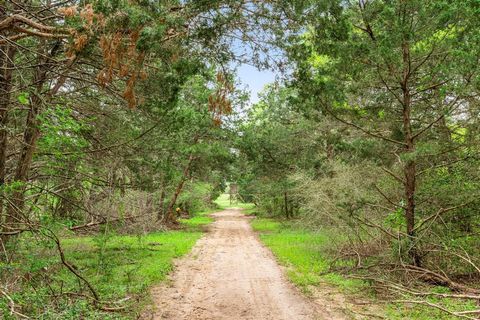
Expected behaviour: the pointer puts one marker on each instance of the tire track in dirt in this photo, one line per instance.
(231, 275)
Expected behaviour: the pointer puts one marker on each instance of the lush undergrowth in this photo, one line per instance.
(307, 256)
(120, 268)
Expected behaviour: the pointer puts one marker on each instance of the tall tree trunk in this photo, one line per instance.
(170, 212)
(285, 199)
(410, 166)
(161, 208)
(30, 137)
(7, 64)
(31, 132)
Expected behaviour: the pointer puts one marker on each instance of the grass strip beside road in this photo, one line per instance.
(306, 254)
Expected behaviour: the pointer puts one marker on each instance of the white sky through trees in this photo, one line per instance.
(254, 79)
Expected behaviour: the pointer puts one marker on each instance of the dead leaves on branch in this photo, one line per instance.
(218, 102)
(82, 29)
(68, 11)
(121, 58)
(91, 25)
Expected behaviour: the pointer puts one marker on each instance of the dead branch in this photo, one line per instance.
(54, 237)
(7, 22)
(440, 212)
(460, 314)
(431, 276)
(41, 34)
(96, 223)
(399, 179)
(11, 304)
(465, 257)
(387, 198)
(373, 134)
(374, 225)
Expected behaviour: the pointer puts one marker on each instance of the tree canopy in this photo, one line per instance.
(124, 116)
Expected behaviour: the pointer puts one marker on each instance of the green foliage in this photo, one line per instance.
(376, 92)
(63, 137)
(23, 98)
(396, 220)
(196, 197)
(117, 266)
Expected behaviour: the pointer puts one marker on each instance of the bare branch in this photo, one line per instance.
(376, 135)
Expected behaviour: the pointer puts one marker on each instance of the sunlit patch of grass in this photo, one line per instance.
(263, 225)
(243, 205)
(196, 222)
(303, 251)
(251, 211)
(223, 202)
(127, 264)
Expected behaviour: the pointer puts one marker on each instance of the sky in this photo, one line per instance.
(254, 79)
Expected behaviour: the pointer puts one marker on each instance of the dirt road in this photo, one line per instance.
(230, 275)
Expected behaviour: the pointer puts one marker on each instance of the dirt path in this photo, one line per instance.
(230, 275)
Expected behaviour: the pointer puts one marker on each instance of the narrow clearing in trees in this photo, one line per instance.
(230, 275)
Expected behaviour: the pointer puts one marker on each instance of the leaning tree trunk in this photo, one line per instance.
(171, 217)
(285, 200)
(30, 136)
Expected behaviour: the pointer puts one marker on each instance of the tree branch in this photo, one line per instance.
(363, 130)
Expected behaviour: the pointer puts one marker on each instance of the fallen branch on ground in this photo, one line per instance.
(460, 314)
(96, 223)
(11, 304)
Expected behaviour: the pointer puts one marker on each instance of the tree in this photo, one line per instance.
(403, 72)
(275, 142)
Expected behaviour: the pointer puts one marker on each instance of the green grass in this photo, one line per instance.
(305, 253)
(264, 225)
(128, 264)
(198, 220)
(223, 202)
(117, 266)
(420, 312)
(253, 211)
